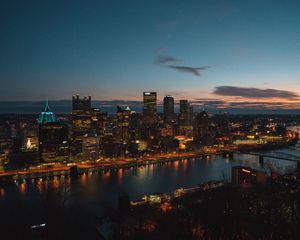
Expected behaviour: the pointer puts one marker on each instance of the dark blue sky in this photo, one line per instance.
(117, 49)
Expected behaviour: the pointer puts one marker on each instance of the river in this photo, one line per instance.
(94, 192)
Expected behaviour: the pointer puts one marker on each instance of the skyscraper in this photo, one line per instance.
(149, 114)
(46, 116)
(81, 121)
(168, 107)
(186, 113)
(91, 147)
(185, 107)
(121, 130)
(201, 128)
(149, 99)
(53, 138)
(186, 118)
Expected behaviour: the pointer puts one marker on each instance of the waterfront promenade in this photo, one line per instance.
(102, 165)
(106, 164)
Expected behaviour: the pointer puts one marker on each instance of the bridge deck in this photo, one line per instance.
(289, 157)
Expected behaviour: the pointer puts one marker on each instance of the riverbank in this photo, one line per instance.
(64, 170)
(109, 164)
(95, 194)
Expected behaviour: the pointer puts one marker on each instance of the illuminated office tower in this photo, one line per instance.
(149, 99)
(95, 124)
(201, 128)
(150, 117)
(149, 113)
(122, 132)
(101, 126)
(185, 118)
(91, 147)
(81, 121)
(53, 138)
(168, 107)
(30, 138)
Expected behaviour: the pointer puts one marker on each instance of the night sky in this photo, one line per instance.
(218, 53)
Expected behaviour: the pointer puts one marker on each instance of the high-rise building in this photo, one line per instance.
(30, 138)
(122, 133)
(186, 113)
(81, 104)
(149, 99)
(185, 118)
(201, 128)
(91, 147)
(53, 138)
(81, 121)
(168, 107)
(150, 118)
(101, 126)
(184, 106)
(46, 116)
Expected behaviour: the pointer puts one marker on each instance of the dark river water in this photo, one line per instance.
(95, 191)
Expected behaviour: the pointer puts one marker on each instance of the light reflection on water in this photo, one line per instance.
(2, 192)
(22, 188)
(92, 189)
(120, 176)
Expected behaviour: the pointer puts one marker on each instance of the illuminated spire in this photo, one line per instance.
(46, 116)
(47, 109)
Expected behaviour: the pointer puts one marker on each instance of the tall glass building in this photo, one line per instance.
(150, 103)
(53, 138)
(168, 106)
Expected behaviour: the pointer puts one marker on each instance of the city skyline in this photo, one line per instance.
(222, 54)
(158, 119)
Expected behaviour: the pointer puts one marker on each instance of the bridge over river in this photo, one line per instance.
(276, 155)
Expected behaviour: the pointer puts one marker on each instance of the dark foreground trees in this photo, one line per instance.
(258, 212)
